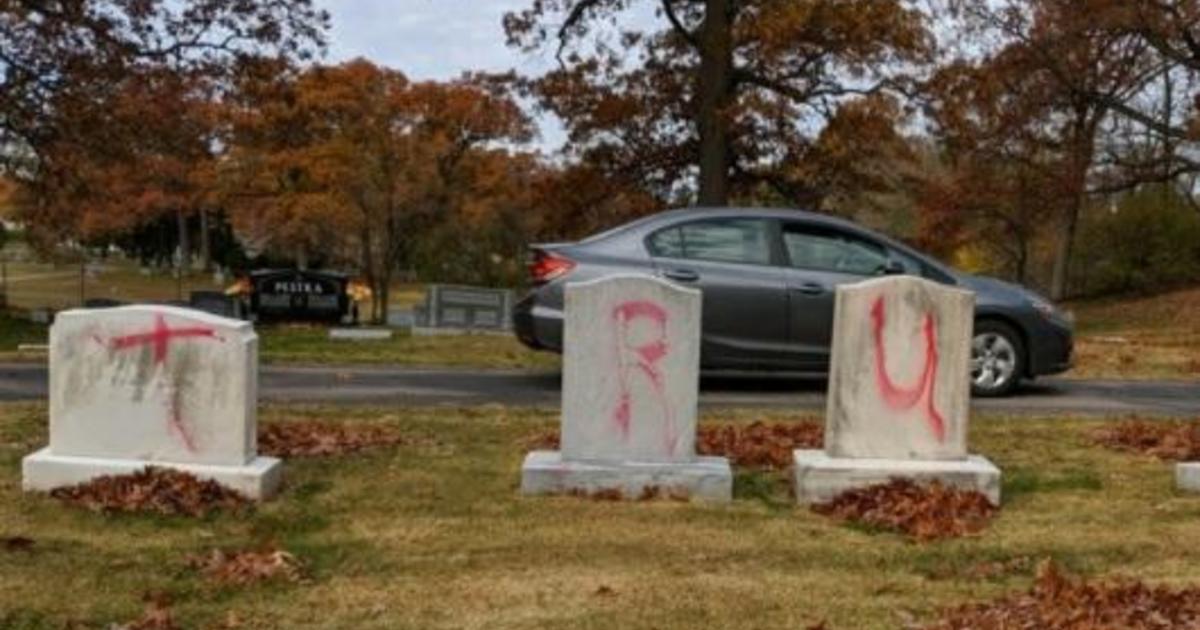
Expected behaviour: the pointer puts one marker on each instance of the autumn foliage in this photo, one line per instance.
(923, 512)
(1171, 441)
(317, 439)
(760, 444)
(1059, 602)
(158, 490)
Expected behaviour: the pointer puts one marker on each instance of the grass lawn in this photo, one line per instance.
(1153, 338)
(432, 534)
(311, 344)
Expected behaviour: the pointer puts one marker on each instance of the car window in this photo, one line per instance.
(719, 240)
(831, 250)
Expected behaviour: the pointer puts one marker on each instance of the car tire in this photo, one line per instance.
(997, 359)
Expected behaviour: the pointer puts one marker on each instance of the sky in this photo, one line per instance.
(436, 39)
(428, 39)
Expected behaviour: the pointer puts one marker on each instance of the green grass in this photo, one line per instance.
(311, 344)
(434, 535)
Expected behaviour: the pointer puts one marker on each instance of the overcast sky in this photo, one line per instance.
(427, 39)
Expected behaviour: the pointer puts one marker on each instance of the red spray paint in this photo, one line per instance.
(646, 358)
(904, 398)
(160, 338)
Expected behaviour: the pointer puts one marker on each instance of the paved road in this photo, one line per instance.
(415, 386)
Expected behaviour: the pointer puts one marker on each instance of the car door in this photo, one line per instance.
(818, 259)
(733, 261)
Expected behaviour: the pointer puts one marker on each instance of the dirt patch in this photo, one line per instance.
(323, 439)
(924, 512)
(16, 543)
(1169, 441)
(158, 490)
(1058, 602)
(248, 566)
(760, 444)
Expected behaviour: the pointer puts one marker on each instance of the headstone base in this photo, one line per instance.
(705, 479)
(818, 478)
(426, 331)
(360, 334)
(43, 471)
(1187, 476)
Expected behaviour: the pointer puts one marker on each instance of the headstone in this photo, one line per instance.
(215, 303)
(146, 385)
(630, 378)
(1187, 476)
(360, 334)
(899, 391)
(401, 318)
(294, 295)
(458, 309)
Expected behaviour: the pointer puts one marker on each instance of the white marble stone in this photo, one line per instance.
(151, 385)
(630, 370)
(630, 377)
(703, 479)
(1187, 476)
(819, 478)
(899, 382)
(899, 392)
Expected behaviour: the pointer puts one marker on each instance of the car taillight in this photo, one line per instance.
(545, 267)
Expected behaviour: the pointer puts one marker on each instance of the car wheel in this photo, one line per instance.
(997, 359)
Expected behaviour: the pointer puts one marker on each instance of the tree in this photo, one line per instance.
(359, 160)
(84, 86)
(1056, 73)
(731, 94)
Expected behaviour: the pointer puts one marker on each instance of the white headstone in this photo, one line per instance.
(899, 380)
(899, 392)
(630, 370)
(152, 385)
(630, 377)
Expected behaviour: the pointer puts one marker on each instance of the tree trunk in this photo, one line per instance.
(185, 243)
(1060, 284)
(205, 241)
(1083, 145)
(714, 87)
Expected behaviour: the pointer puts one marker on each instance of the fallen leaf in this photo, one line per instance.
(1169, 441)
(322, 439)
(924, 512)
(1059, 602)
(159, 490)
(248, 566)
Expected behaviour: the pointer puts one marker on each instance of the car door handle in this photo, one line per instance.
(810, 288)
(681, 275)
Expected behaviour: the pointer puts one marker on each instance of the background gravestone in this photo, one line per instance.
(457, 309)
(152, 385)
(899, 391)
(630, 376)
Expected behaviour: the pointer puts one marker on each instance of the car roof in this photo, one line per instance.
(642, 227)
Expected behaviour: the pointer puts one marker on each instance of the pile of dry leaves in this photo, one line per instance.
(322, 439)
(756, 445)
(1058, 602)
(161, 490)
(759, 445)
(1171, 441)
(248, 566)
(923, 512)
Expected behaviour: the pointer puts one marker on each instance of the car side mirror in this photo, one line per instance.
(892, 268)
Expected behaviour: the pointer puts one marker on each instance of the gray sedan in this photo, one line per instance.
(768, 279)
